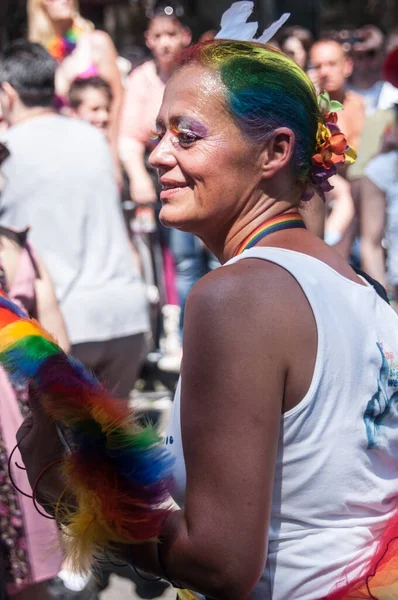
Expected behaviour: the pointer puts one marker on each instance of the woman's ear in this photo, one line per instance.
(278, 151)
(187, 37)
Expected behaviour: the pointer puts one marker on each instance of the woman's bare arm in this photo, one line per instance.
(233, 376)
(235, 365)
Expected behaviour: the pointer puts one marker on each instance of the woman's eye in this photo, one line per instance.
(155, 137)
(186, 138)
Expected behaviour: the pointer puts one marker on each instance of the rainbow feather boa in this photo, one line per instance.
(119, 472)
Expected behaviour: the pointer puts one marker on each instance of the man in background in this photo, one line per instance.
(59, 180)
(330, 69)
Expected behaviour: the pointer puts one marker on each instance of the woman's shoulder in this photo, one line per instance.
(244, 287)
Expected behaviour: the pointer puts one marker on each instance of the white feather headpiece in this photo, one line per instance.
(234, 25)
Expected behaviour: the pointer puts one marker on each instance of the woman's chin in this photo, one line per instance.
(175, 218)
(63, 14)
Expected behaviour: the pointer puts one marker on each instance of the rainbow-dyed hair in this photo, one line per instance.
(264, 90)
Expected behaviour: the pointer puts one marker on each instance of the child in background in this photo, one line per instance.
(90, 99)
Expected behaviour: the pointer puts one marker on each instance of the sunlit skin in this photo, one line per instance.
(213, 176)
(59, 10)
(332, 67)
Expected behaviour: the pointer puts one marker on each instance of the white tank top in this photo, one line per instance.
(336, 479)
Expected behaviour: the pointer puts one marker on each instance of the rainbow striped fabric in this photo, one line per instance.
(119, 472)
(291, 220)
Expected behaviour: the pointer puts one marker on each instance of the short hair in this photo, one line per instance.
(30, 70)
(264, 89)
(81, 84)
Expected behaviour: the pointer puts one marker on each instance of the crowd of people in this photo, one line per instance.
(82, 248)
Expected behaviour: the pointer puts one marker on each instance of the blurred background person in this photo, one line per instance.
(59, 180)
(368, 52)
(296, 42)
(79, 49)
(25, 535)
(166, 36)
(379, 203)
(331, 69)
(379, 219)
(90, 99)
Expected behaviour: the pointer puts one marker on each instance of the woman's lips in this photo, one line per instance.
(168, 192)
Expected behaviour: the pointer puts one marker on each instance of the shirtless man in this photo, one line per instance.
(331, 69)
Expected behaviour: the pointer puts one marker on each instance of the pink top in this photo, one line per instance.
(143, 100)
(41, 534)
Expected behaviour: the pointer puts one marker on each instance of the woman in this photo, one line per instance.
(80, 50)
(166, 37)
(379, 217)
(296, 42)
(283, 455)
(379, 199)
(25, 536)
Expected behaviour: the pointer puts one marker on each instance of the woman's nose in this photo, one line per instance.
(163, 154)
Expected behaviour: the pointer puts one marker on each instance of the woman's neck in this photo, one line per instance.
(62, 26)
(252, 214)
(239, 234)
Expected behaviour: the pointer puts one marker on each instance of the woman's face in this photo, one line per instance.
(295, 50)
(59, 10)
(207, 168)
(166, 38)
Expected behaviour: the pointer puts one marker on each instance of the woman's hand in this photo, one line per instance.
(40, 446)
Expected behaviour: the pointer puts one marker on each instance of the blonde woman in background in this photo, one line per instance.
(79, 49)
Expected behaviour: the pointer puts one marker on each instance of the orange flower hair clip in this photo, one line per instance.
(332, 148)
